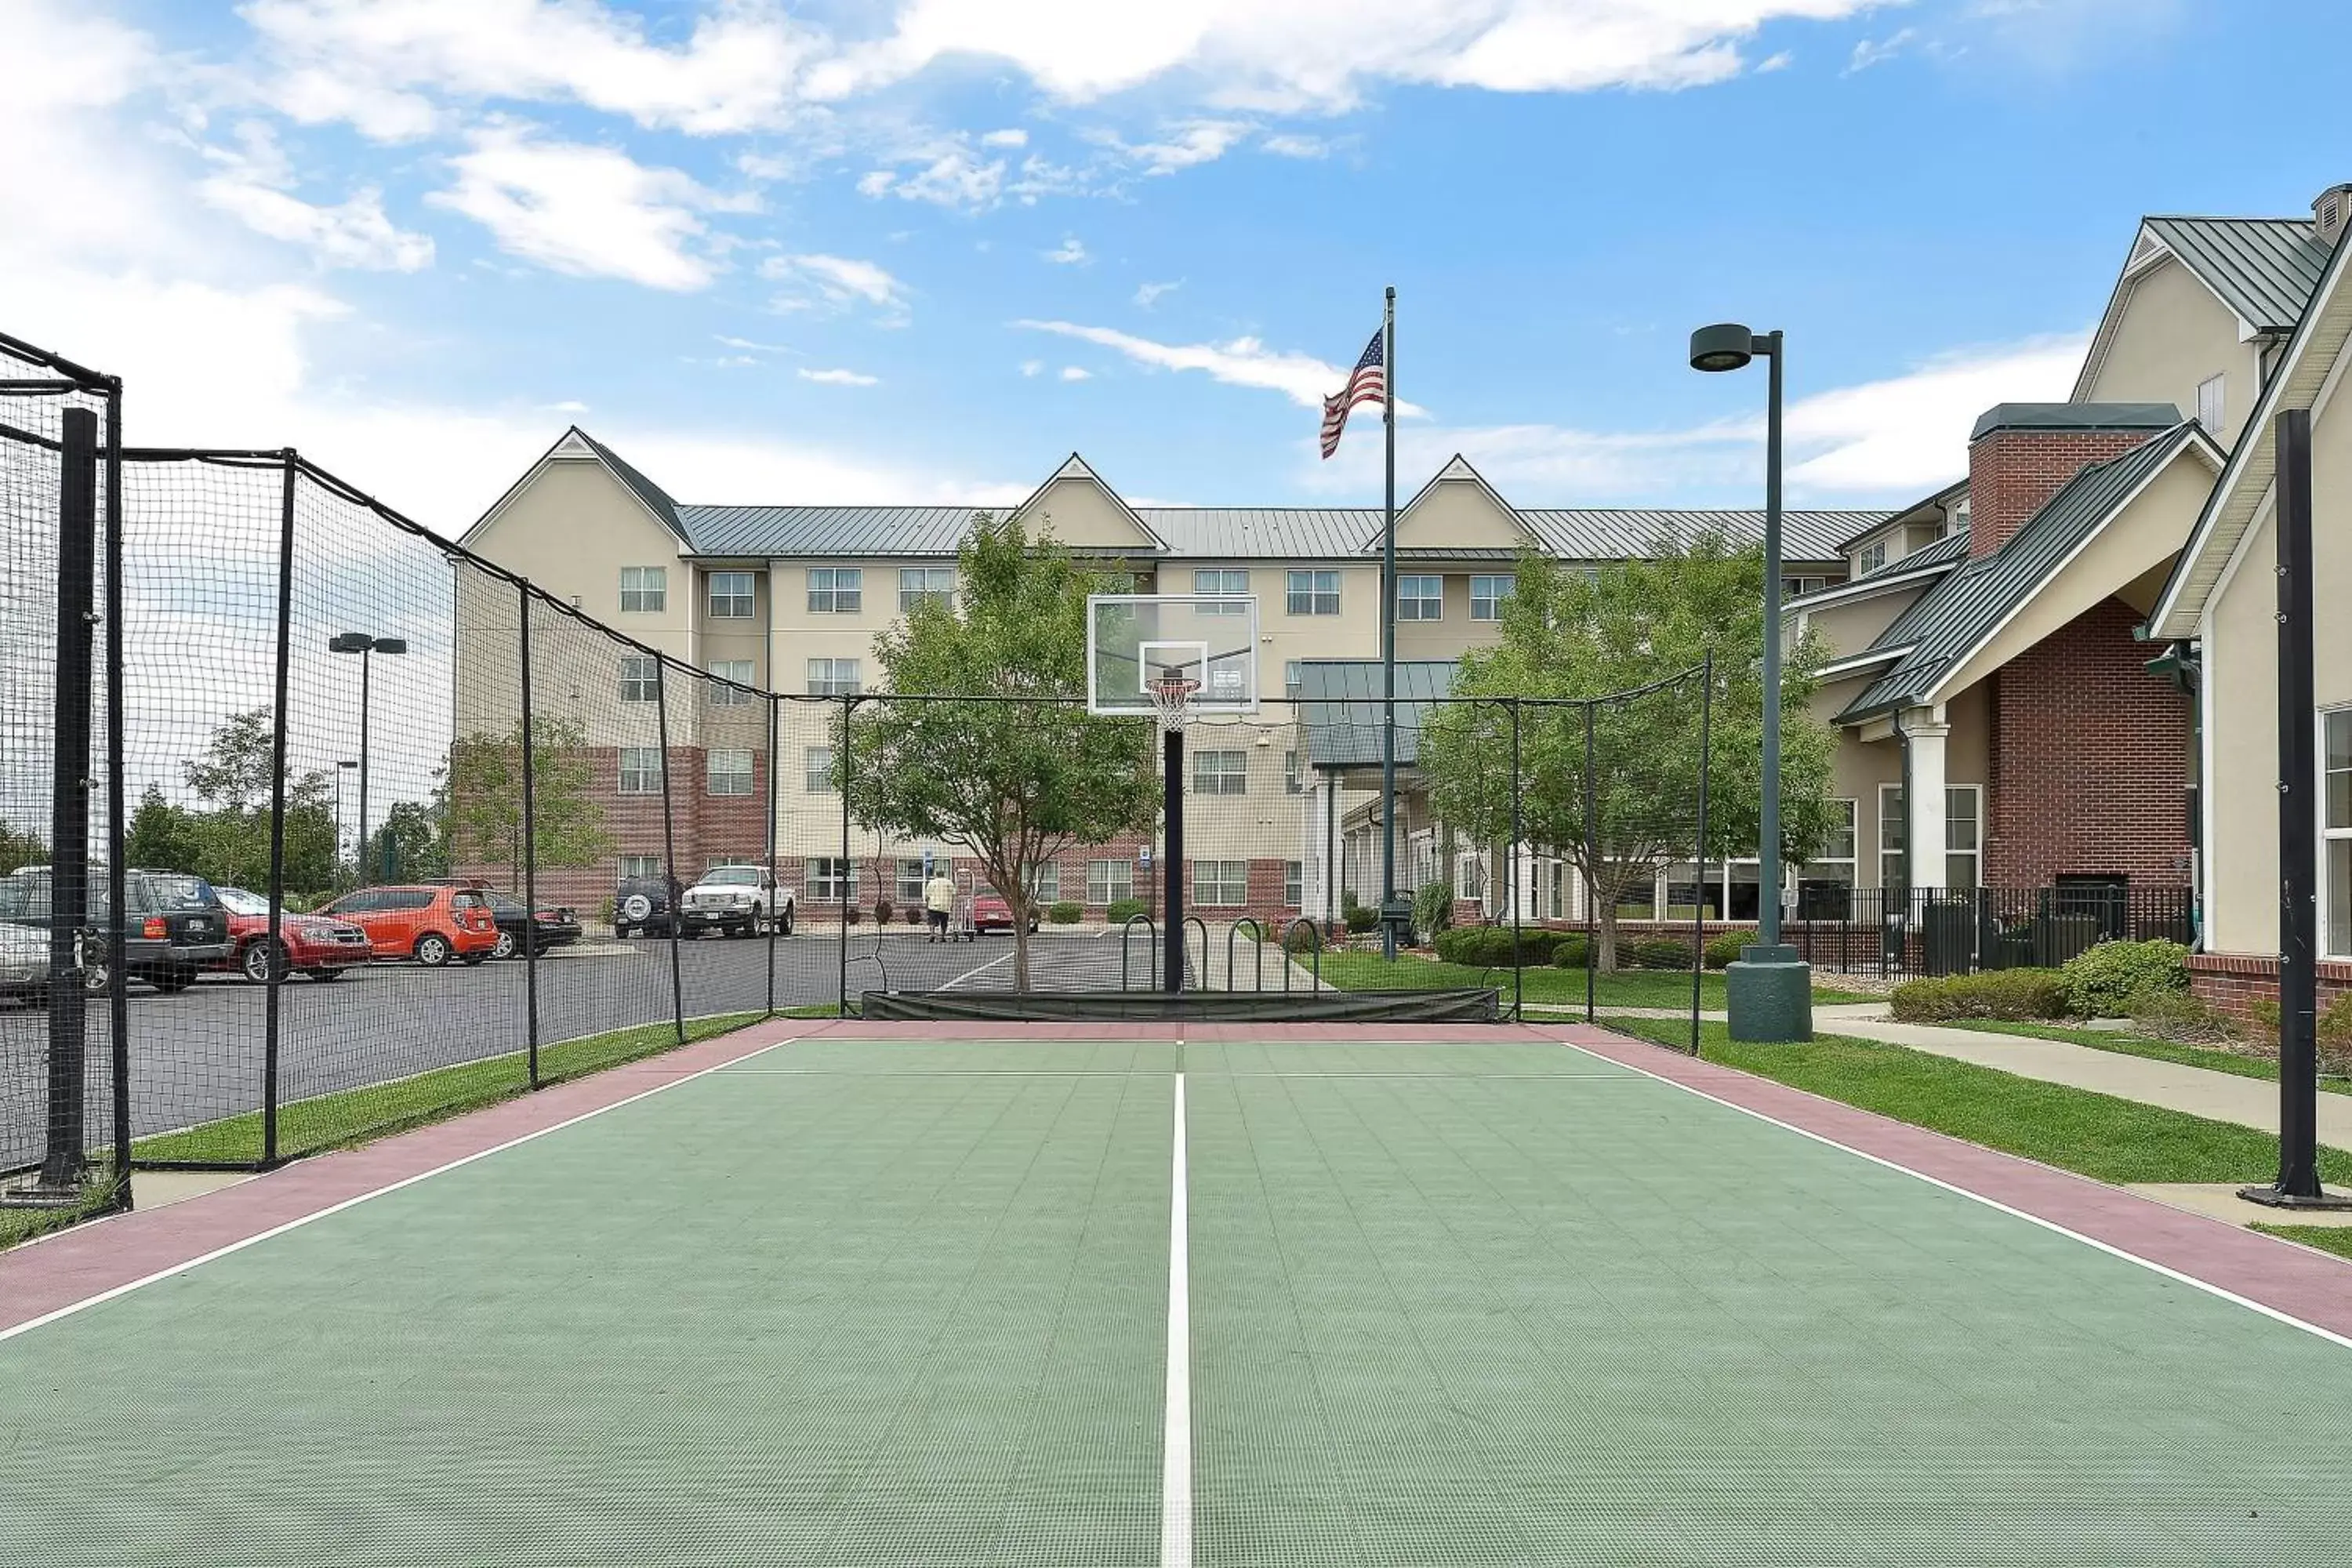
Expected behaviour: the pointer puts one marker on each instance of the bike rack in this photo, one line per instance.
(1151, 934)
(1190, 921)
(1257, 944)
(1316, 933)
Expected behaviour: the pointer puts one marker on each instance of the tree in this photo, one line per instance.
(1579, 633)
(1015, 782)
(485, 798)
(229, 843)
(161, 837)
(20, 848)
(411, 844)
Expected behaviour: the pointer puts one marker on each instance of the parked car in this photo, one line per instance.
(432, 925)
(991, 912)
(549, 926)
(739, 901)
(24, 963)
(317, 945)
(174, 927)
(641, 904)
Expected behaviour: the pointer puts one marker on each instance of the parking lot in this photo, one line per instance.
(202, 1054)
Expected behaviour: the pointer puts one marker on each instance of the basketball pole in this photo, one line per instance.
(1388, 644)
(1171, 867)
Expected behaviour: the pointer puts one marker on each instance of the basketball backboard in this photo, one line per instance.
(1133, 640)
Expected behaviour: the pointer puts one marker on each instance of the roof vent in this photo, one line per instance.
(2329, 209)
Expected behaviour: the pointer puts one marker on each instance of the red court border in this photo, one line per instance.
(76, 1266)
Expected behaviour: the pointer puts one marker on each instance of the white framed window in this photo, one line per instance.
(2335, 834)
(1311, 592)
(1221, 580)
(1293, 884)
(1290, 781)
(1109, 881)
(731, 595)
(640, 868)
(2210, 395)
(1825, 882)
(1892, 830)
(832, 879)
(1798, 587)
(1421, 597)
(1555, 884)
(1220, 884)
(1963, 836)
(816, 771)
(1221, 772)
(641, 770)
(1470, 876)
(1487, 593)
(640, 678)
(727, 771)
(837, 590)
(738, 670)
(834, 678)
(1294, 678)
(910, 881)
(1870, 558)
(1956, 520)
(1045, 881)
(645, 590)
(917, 583)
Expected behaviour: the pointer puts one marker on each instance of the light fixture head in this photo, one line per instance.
(349, 642)
(392, 645)
(1726, 345)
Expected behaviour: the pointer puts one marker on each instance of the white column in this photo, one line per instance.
(1924, 737)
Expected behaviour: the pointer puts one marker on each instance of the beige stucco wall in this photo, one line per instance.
(1450, 637)
(1078, 512)
(2173, 334)
(571, 528)
(1861, 767)
(1851, 626)
(1457, 514)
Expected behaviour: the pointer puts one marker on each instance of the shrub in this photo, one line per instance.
(2162, 1014)
(1361, 919)
(882, 908)
(1723, 952)
(2011, 993)
(1491, 947)
(1122, 911)
(2335, 1040)
(1571, 952)
(1301, 938)
(1654, 953)
(1067, 914)
(852, 914)
(2103, 980)
(1433, 909)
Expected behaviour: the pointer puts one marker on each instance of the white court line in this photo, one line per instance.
(2330, 1335)
(1176, 1440)
(124, 1290)
(1004, 957)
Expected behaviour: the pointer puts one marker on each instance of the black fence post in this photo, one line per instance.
(529, 843)
(61, 1166)
(1591, 875)
(273, 940)
(1518, 957)
(775, 883)
(672, 890)
(842, 879)
(118, 996)
(1172, 869)
(1698, 904)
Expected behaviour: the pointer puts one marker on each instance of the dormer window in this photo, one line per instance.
(1870, 558)
(1956, 520)
(2208, 404)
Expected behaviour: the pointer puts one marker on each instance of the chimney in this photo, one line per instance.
(2329, 210)
(2021, 453)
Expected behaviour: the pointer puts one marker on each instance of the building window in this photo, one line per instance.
(640, 868)
(816, 771)
(731, 595)
(1221, 582)
(641, 770)
(1825, 883)
(1312, 592)
(1293, 884)
(729, 771)
(1109, 881)
(832, 678)
(832, 879)
(1557, 885)
(2208, 404)
(644, 589)
(1221, 772)
(2336, 902)
(917, 583)
(1290, 784)
(1798, 587)
(911, 882)
(837, 590)
(1487, 596)
(1963, 837)
(1421, 599)
(1220, 884)
(1870, 558)
(1470, 876)
(1891, 832)
(1294, 678)
(640, 678)
(1046, 882)
(736, 671)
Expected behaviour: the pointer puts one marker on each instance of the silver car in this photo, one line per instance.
(24, 962)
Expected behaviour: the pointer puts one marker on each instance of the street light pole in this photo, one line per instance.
(1768, 923)
(342, 767)
(366, 645)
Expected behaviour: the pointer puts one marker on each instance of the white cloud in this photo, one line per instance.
(840, 282)
(1069, 252)
(1911, 431)
(1777, 62)
(569, 406)
(839, 377)
(1077, 372)
(594, 212)
(1244, 361)
(252, 186)
(1291, 145)
(1149, 294)
(1869, 52)
(1193, 142)
(1032, 367)
(1012, 136)
(748, 345)
(946, 173)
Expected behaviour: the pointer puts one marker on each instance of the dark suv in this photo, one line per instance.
(175, 926)
(642, 904)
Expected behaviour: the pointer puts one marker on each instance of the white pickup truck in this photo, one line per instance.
(740, 901)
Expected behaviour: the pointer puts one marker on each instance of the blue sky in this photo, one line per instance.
(920, 249)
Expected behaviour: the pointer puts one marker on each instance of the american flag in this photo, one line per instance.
(1368, 382)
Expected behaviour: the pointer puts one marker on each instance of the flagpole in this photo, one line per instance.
(1387, 643)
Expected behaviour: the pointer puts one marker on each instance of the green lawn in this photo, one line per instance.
(23, 1225)
(357, 1115)
(1564, 987)
(2210, 1056)
(2333, 1238)
(2097, 1135)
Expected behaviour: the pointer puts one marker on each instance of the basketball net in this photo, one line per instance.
(1172, 698)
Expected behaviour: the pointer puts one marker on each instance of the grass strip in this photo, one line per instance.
(2096, 1135)
(2235, 1063)
(1625, 988)
(359, 1115)
(22, 1225)
(2334, 1238)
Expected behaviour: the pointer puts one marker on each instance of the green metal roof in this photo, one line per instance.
(1954, 619)
(2264, 269)
(1339, 708)
(652, 494)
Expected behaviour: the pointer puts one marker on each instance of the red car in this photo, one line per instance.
(320, 947)
(991, 912)
(429, 924)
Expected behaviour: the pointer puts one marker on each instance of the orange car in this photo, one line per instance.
(431, 925)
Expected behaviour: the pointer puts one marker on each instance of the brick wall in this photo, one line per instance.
(2089, 760)
(2014, 472)
(2233, 982)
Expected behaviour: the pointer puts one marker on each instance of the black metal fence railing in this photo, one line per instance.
(1964, 931)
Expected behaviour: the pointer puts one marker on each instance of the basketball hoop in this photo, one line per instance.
(1171, 698)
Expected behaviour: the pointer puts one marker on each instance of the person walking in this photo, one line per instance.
(939, 898)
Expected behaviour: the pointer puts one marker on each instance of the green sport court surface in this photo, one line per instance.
(870, 1301)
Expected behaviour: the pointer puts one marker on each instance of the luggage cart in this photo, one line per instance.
(959, 924)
